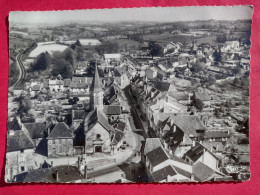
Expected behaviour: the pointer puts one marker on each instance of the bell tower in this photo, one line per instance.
(97, 92)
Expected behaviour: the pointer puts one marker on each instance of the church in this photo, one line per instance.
(100, 136)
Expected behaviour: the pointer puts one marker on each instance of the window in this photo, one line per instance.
(98, 136)
(22, 168)
(22, 151)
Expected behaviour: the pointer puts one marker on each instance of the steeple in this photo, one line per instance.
(96, 85)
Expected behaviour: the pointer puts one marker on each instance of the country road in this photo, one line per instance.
(22, 72)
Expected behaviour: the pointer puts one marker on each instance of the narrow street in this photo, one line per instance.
(135, 113)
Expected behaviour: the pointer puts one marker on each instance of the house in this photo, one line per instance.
(60, 141)
(112, 57)
(180, 96)
(56, 85)
(78, 117)
(112, 111)
(157, 163)
(198, 153)
(151, 73)
(245, 63)
(58, 174)
(121, 76)
(79, 85)
(37, 131)
(100, 136)
(206, 173)
(19, 151)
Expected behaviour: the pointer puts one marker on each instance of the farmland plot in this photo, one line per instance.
(50, 48)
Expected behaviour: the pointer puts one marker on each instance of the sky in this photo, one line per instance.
(154, 14)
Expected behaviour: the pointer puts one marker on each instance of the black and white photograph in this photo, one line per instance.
(129, 95)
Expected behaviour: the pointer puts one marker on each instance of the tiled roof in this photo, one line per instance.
(97, 116)
(36, 88)
(118, 136)
(157, 156)
(202, 171)
(187, 123)
(36, 130)
(78, 114)
(151, 144)
(163, 173)
(18, 141)
(60, 130)
(195, 152)
(216, 134)
(67, 82)
(13, 125)
(162, 86)
(112, 110)
(178, 95)
(66, 174)
(78, 85)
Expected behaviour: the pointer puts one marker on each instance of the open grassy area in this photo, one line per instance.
(125, 43)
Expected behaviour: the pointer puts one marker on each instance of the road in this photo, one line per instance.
(135, 113)
(21, 68)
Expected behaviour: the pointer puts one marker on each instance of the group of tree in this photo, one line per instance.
(24, 105)
(221, 38)
(196, 103)
(42, 62)
(107, 47)
(217, 56)
(155, 49)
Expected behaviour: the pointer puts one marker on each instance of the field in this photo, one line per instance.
(125, 43)
(50, 48)
(85, 42)
(168, 37)
(209, 40)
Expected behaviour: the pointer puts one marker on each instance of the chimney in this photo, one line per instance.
(57, 175)
(86, 172)
(11, 132)
(40, 165)
(192, 177)
(174, 128)
(51, 163)
(171, 120)
(193, 143)
(49, 131)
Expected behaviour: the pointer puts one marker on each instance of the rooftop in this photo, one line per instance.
(163, 173)
(157, 156)
(60, 130)
(18, 141)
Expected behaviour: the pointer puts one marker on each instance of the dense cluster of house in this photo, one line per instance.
(181, 147)
(98, 129)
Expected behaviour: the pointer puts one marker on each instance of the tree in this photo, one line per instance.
(211, 80)
(198, 104)
(42, 62)
(62, 67)
(74, 100)
(217, 56)
(155, 49)
(221, 38)
(236, 70)
(78, 43)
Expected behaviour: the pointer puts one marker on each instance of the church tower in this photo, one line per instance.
(97, 92)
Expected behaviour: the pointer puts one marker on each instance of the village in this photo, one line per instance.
(129, 103)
